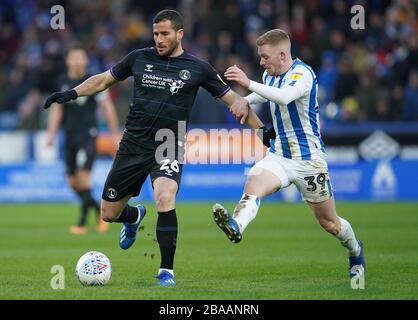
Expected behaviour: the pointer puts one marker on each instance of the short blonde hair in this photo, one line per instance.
(273, 37)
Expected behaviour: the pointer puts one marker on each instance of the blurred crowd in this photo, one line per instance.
(368, 74)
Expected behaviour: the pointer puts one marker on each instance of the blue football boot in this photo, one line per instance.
(165, 279)
(127, 235)
(357, 265)
(226, 223)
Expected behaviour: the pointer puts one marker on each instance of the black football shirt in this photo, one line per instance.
(163, 94)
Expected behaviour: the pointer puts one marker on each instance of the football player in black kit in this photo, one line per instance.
(80, 126)
(166, 81)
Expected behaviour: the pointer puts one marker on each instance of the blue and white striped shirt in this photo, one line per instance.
(297, 123)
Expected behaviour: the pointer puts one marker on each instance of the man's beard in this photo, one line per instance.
(171, 50)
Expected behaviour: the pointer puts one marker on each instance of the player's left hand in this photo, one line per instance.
(236, 74)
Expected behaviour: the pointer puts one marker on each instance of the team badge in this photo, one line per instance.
(111, 193)
(185, 74)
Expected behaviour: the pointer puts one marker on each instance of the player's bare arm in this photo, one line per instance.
(237, 105)
(91, 86)
(241, 110)
(54, 121)
(95, 84)
(240, 107)
(111, 118)
(278, 95)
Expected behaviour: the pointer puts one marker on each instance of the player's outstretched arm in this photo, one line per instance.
(277, 95)
(95, 84)
(281, 96)
(237, 105)
(92, 85)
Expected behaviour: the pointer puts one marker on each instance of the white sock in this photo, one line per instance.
(246, 210)
(171, 271)
(347, 238)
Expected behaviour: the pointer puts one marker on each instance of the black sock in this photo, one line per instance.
(86, 196)
(84, 208)
(129, 214)
(94, 204)
(167, 237)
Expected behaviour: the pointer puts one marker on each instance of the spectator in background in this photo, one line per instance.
(346, 81)
(350, 110)
(3, 88)
(17, 87)
(366, 95)
(327, 76)
(382, 111)
(319, 38)
(43, 82)
(410, 107)
(397, 100)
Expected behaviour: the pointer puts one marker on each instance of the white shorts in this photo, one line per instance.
(309, 176)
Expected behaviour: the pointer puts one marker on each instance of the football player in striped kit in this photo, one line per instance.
(297, 155)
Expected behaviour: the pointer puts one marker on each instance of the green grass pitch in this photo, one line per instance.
(284, 255)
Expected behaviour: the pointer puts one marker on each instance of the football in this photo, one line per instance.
(94, 269)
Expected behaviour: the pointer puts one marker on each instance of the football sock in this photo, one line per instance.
(84, 207)
(87, 201)
(129, 214)
(246, 210)
(94, 204)
(90, 200)
(347, 238)
(167, 237)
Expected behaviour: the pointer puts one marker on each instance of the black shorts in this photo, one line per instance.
(79, 154)
(129, 172)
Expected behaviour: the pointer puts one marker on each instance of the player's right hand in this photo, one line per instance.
(60, 97)
(236, 74)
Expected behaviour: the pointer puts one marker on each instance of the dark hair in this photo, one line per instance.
(171, 15)
(76, 46)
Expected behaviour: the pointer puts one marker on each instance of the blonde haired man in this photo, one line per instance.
(297, 155)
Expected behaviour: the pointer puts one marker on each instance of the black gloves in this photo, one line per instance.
(266, 135)
(60, 97)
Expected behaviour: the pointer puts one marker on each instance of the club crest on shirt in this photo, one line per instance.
(111, 193)
(148, 67)
(185, 74)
